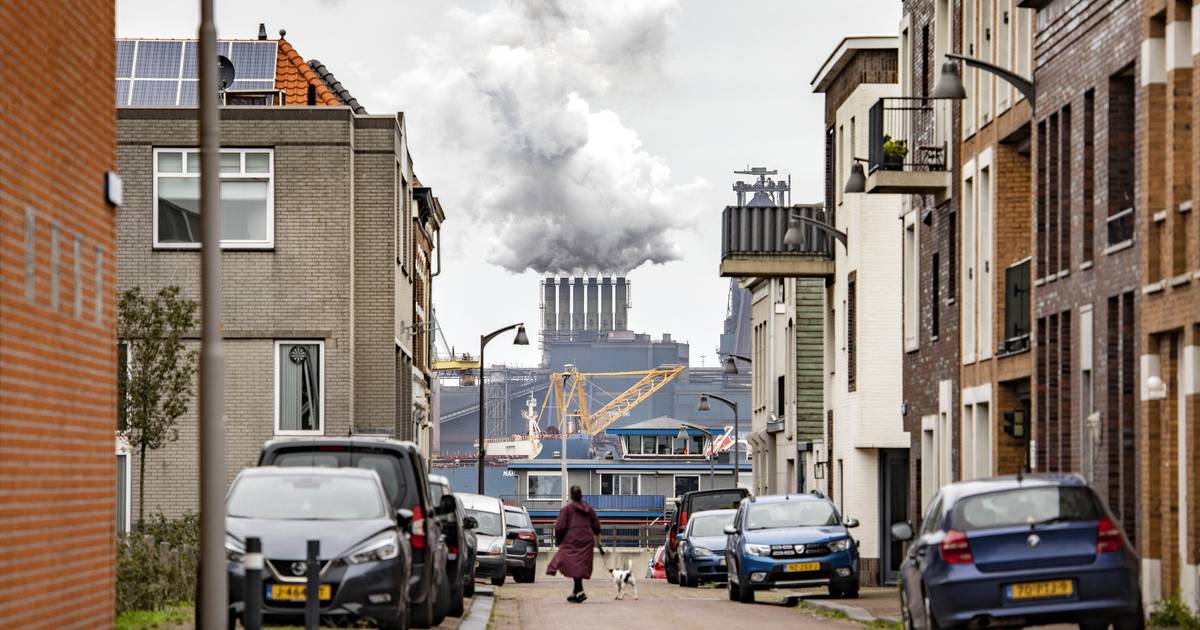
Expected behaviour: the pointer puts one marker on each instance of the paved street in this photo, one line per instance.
(543, 605)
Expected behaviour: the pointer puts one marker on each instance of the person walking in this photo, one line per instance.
(575, 532)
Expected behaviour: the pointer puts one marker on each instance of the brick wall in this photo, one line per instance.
(57, 330)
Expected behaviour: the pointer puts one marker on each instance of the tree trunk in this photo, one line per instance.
(141, 487)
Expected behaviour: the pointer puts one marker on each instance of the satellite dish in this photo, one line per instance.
(225, 72)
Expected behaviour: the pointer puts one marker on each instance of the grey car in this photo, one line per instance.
(364, 554)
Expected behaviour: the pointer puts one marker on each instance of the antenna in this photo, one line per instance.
(225, 73)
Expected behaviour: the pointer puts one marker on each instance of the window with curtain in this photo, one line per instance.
(247, 200)
(299, 377)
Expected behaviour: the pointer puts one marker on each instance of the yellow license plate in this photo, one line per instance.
(801, 567)
(298, 592)
(1043, 590)
(722, 561)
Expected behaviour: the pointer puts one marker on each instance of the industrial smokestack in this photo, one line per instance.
(621, 310)
(593, 305)
(549, 308)
(606, 304)
(564, 306)
(577, 305)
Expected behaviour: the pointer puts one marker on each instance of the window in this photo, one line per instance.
(247, 199)
(952, 254)
(841, 157)
(686, 483)
(852, 333)
(986, 79)
(299, 387)
(976, 441)
(968, 73)
(911, 287)
(969, 287)
(1024, 43)
(620, 484)
(781, 396)
(1089, 175)
(545, 485)
(1065, 189)
(984, 264)
(1016, 306)
(123, 487)
(123, 367)
(1003, 55)
(935, 300)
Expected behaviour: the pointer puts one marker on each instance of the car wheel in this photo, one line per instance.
(441, 605)
(469, 584)
(233, 620)
(1093, 625)
(746, 595)
(672, 576)
(530, 575)
(1131, 621)
(456, 600)
(421, 616)
(733, 592)
(498, 580)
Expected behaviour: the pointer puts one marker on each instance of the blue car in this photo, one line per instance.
(702, 548)
(1019, 551)
(796, 540)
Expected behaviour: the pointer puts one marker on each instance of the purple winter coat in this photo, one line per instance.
(575, 532)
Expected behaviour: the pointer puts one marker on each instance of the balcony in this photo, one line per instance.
(752, 243)
(650, 503)
(896, 162)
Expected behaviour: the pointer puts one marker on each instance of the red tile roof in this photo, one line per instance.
(293, 76)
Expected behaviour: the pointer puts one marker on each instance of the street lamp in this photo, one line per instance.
(731, 365)
(857, 182)
(712, 447)
(949, 85)
(704, 406)
(520, 340)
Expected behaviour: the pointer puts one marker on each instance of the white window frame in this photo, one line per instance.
(968, 231)
(321, 386)
(541, 473)
(269, 176)
(911, 288)
(694, 476)
(123, 450)
(616, 475)
(985, 226)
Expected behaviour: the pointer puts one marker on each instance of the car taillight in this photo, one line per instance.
(453, 550)
(955, 548)
(671, 539)
(1108, 536)
(526, 536)
(683, 520)
(418, 527)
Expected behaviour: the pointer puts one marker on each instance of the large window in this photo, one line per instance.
(686, 483)
(620, 484)
(247, 198)
(299, 387)
(545, 485)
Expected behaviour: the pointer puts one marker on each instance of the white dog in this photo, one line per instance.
(624, 578)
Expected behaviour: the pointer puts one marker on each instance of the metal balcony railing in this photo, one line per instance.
(759, 231)
(599, 502)
(894, 126)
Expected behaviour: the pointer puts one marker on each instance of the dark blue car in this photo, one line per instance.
(702, 548)
(796, 540)
(1019, 551)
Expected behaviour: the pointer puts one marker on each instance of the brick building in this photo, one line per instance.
(1168, 139)
(317, 239)
(427, 223)
(58, 384)
(1086, 259)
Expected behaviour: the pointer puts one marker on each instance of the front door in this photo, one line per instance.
(893, 508)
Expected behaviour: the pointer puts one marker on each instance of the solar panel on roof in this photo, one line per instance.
(163, 72)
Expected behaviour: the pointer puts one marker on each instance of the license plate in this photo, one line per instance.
(297, 592)
(1041, 590)
(801, 567)
(722, 561)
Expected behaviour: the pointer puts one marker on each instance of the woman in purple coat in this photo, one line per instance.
(575, 532)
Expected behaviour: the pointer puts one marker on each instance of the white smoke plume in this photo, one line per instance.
(505, 97)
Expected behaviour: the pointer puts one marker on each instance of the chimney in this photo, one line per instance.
(593, 304)
(577, 305)
(606, 307)
(621, 310)
(564, 306)
(549, 309)
(262, 31)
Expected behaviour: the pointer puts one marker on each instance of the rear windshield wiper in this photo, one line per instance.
(1051, 521)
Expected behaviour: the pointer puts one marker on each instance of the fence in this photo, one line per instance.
(894, 123)
(633, 535)
(599, 502)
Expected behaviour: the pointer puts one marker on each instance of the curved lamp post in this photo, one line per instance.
(704, 406)
(520, 340)
(712, 442)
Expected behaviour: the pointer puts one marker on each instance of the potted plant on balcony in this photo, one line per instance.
(894, 152)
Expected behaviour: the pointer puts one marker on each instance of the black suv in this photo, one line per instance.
(459, 530)
(401, 467)
(521, 547)
(691, 503)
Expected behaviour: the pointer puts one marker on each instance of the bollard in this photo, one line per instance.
(312, 593)
(253, 597)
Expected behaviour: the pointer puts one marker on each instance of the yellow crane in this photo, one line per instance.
(569, 387)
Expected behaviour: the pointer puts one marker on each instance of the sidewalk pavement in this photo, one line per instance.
(880, 603)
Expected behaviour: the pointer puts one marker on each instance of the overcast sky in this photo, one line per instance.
(573, 135)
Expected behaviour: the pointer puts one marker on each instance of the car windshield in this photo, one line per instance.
(718, 501)
(517, 519)
(489, 522)
(710, 525)
(387, 465)
(305, 497)
(790, 514)
(1025, 506)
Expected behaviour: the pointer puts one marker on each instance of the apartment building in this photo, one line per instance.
(318, 261)
(1167, 131)
(427, 222)
(865, 445)
(58, 388)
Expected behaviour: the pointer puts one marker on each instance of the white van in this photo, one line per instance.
(490, 535)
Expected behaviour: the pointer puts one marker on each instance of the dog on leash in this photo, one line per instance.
(623, 579)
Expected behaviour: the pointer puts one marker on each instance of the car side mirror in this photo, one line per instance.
(850, 522)
(729, 530)
(447, 506)
(469, 522)
(404, 517)
(902, 531)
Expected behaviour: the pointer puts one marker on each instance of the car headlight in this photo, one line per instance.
(235, 551)
(758, 550)
(496, 548)
(840, 544)
(701, 552)
(384, 547)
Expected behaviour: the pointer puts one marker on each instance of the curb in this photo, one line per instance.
(853, 613)
(480, 614)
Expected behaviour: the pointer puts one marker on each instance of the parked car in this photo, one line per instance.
(490, 533)
(702, 548)
(521, 549)
(654, 568)
(365, 556)
(458, 528)
(1029, 550)
(796, 540)
(401, 467)
(691, 503)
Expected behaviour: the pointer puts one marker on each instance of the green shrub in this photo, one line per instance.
(1172, 612)
(156, 567)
